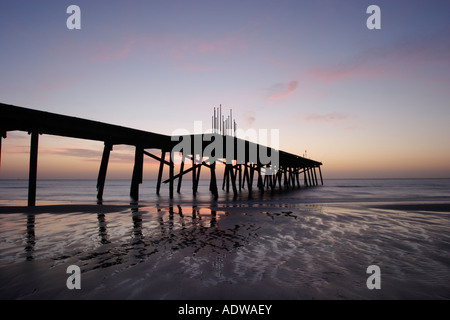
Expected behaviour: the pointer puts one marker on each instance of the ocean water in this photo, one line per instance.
(308, 243)
(332, 191)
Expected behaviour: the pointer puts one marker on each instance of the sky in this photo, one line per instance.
(367, 103)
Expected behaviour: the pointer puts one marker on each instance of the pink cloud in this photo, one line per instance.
(407, 58)
(249, 118)
(181, 49)
(282, 90)
(340, 72)
(119, 156)
(328, 117)
(107, 52)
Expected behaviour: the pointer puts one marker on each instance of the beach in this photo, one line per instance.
(304, 247)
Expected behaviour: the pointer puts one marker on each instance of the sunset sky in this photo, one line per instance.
(366, 103)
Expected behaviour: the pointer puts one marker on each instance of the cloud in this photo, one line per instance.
(335, 73)
(106, 52)
(92, 155)
(180, 49)
(77, 152)
(282, 90)
(327, 117)
(248, 118)
(408, 57)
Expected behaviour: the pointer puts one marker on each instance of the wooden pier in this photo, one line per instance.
(242, 159)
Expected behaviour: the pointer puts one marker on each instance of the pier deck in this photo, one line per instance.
(242, 158)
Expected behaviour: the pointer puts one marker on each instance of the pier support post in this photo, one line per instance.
(226, 176)
(285, 179)
(33, 169)
(194, 173)
(239, 168)
(251, 178)
(260, 180)
(279, 177)
(247, 176)
(232, 173)
(171, 168)
(102, 172)
(315, 176)
(292, 177)
(297, 173)
(1, 138)
(213, 180)
(197, 176)
(137, 173)
(160, 172)
(320, 172)
(180, 178)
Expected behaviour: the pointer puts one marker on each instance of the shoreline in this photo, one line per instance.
(87, 207)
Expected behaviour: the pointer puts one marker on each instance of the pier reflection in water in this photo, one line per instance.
(132, 236)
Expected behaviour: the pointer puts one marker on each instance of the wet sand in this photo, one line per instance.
(308, 251)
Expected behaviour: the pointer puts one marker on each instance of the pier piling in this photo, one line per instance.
(33, 169)
(102, 172)
(137, 173)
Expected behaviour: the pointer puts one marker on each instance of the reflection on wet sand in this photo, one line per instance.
(153, 230)
(312, 251)
(30, 238)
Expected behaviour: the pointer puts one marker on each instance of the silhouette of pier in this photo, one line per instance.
(244, 161)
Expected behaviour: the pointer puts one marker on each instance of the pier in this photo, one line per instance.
(244, 161)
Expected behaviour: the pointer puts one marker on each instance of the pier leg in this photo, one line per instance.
(297, 173)
(161, 167)
(315, 176)
(280, 174)
(233, 180)
(260, 180)
(320, 172)
(286, 185)
(33, 169)
(171, 167)
(194, 173)
(304, 177)
(250, 180)
(292, 177)
(213, 181)
(228, 169)
(2, 135)
(1, 139)
(137, 173)
(245, 176)
(102, 172)
(226, 177)
(197, 179)
(240, 176)
(180, 178)
(309, 177)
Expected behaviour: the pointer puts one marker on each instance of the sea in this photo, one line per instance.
(348, 239)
